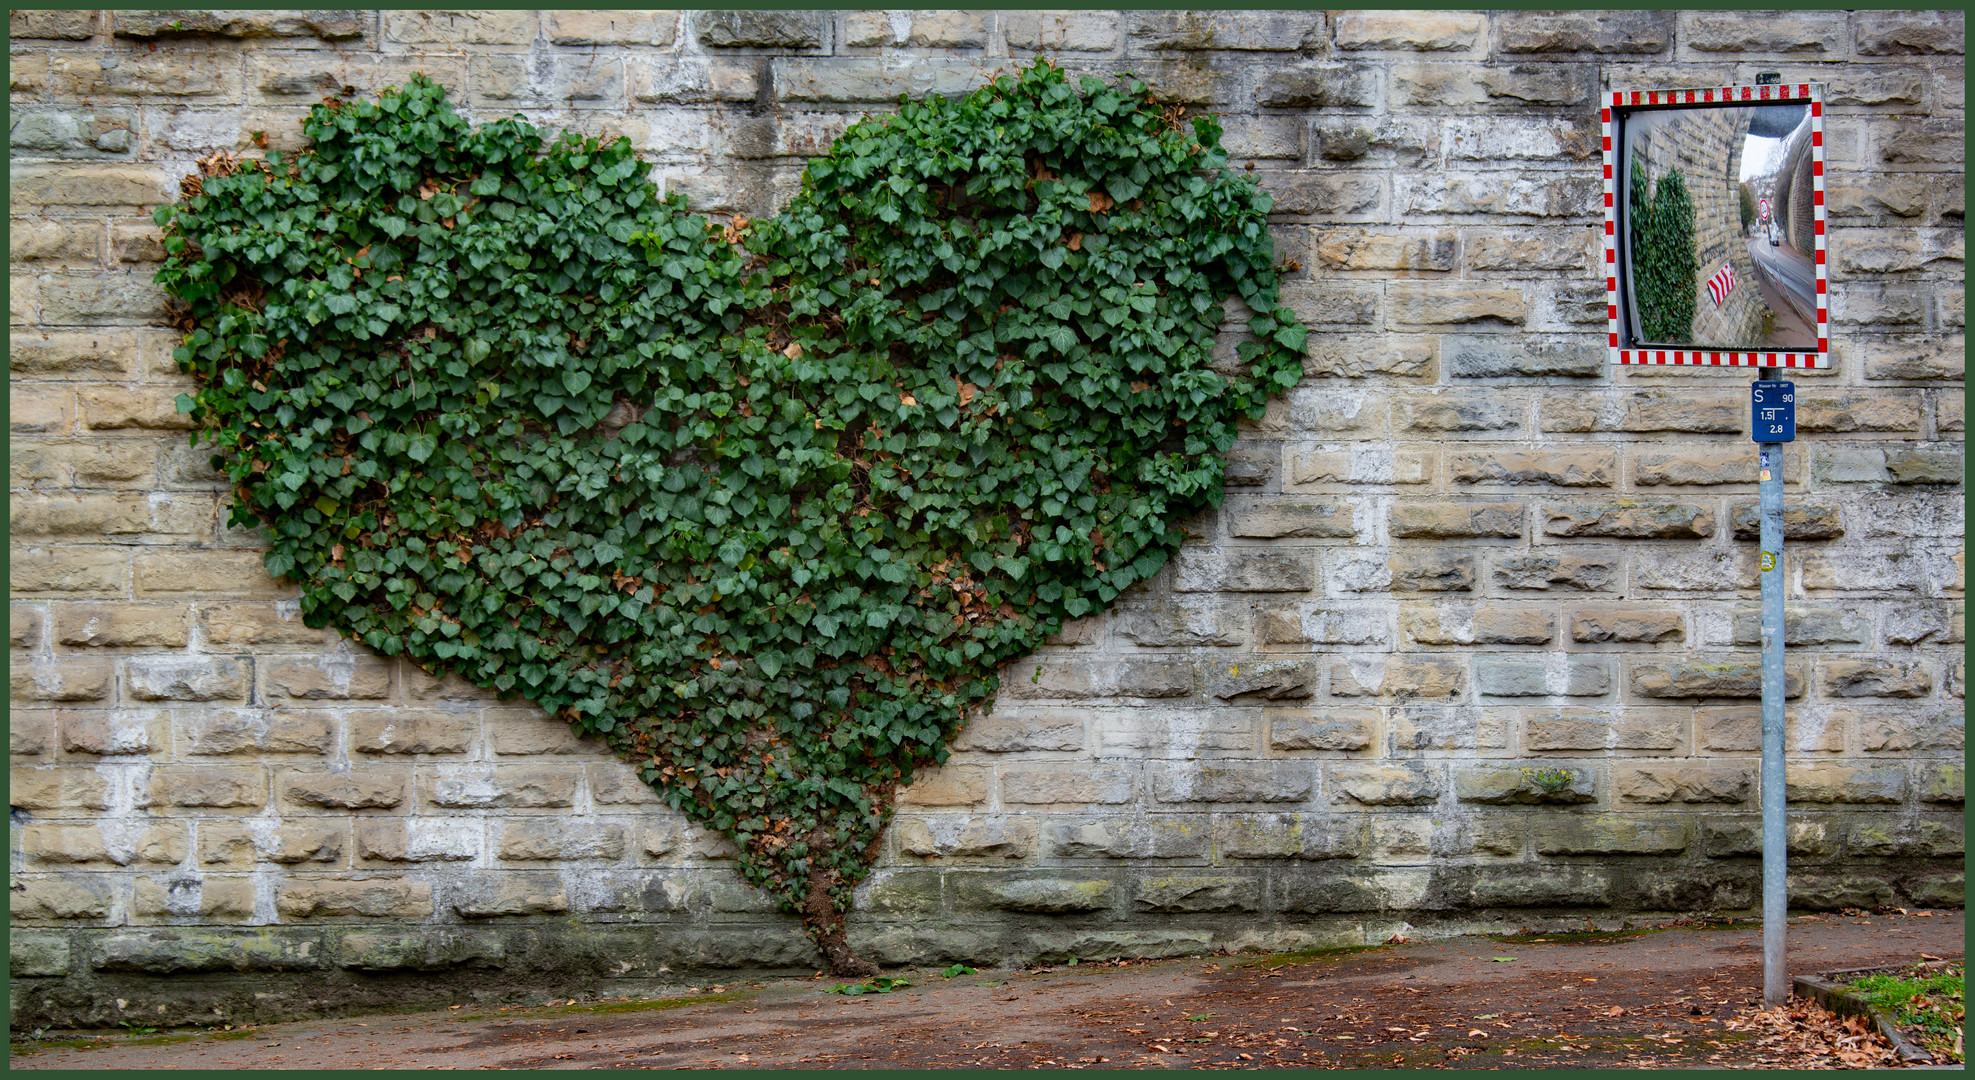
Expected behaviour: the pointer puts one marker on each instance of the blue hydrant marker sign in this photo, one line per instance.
(1773, 405)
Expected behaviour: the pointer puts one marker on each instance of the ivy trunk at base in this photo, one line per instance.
(764, 505)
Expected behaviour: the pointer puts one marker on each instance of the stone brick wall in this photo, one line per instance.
(1472, 643)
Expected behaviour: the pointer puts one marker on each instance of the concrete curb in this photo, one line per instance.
(1821, 989)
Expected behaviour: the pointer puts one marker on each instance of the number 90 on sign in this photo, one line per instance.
(1773, 411)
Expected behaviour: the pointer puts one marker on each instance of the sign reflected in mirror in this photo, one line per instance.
(1714, 226)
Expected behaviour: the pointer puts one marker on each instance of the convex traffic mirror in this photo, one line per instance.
(1714, 226)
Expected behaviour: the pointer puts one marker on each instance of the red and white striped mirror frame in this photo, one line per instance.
(1626, 100)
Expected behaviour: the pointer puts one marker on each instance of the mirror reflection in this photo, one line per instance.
(1717, 227)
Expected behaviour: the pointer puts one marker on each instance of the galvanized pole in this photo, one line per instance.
(1775, 856)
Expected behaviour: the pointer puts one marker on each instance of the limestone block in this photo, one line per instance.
(1197, 893)
(376, 898)
(1533, 784)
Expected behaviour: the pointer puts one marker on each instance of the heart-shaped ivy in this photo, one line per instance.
(764, 505)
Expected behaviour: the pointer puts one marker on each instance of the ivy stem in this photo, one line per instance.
(824, 920)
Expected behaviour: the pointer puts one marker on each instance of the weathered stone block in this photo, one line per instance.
(1098, 679)
(1370, 141)
(1829, 892)
(354, 897)
(1939, 783)
(456, 28)
(1587, 572)
(1634, 32)
(510, 893)
(1183, 624)
(1607, 834)
(1540, 886)
(31, 954)
(396, 840)
(1924, 839)
(336, 676)
(1924, 466)
(1683, 783)
(1915, 361)
(1411, 31)
(229, 574)
(1007, 734)
(157, 626)
(968, 838)
(1627, 519)
(951, 785)
(1470, 624)
(1233, 782)
(1628, 623)
(412, 732)
(1533, 784)
(1193, 894)
(368, 788)
(418, 949)
(1558, 468)
(1243, 570)
(200, 949)
(545, 841)
(1908, 33)
(1065, 31)
(1272, 680)
(1045, 785)
(1297, 516)
(1697, 679)
(1399, 678)
(1496, 676)
(325, 25)
(1251, 31)
(112, 734)
(1792, 32)
(1366, 465)
(258, 732)
(1408, 784)
(215, 786)
(1847, 783)
(1053, 896)
(1327, 303)
(1333, 729)
(612, 27)
(1174, 836)
(1456, 520)
(1420, 571)
(1289, 836)
(1843, 678)
(916, 29)
(1434, 303)
(1457, 412)
(183, 678)
(63, 679)
(47, 788)
(1311, 624)
(530, 735)
(193, 896)
(464, 786)
(1800, 522)
(52, 25)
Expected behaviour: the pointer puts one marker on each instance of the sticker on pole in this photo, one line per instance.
(1773, 405)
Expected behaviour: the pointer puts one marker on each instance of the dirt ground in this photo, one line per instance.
(1680, 997)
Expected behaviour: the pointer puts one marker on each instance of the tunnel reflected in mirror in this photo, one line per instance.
(1716, 227)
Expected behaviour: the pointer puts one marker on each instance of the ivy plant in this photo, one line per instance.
(763, 505)
(1665, 268)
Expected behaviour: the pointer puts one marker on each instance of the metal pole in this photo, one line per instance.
(1775, 856)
